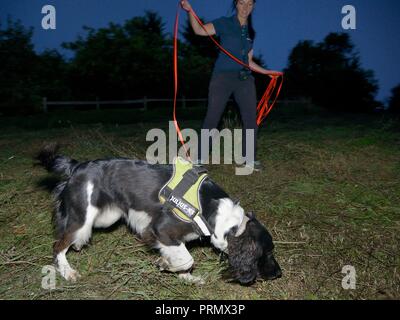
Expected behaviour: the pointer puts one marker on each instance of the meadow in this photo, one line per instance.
(329, 195)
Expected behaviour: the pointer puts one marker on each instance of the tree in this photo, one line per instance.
(330, 73)
(123, 62)
(51, 74)
(202, 44)
(18, 85)
(394, 102)
(25, 76)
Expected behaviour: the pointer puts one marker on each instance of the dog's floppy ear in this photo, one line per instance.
(242, 257)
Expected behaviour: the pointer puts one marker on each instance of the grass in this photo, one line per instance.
(329, 194)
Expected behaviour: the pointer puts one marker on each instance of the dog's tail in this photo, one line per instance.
(53, 162)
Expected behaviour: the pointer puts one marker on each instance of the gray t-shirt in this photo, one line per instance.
(235, 39)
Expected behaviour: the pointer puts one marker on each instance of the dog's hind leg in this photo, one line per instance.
(60, 259)
(76, 233)
(76, 239)
(83, 234)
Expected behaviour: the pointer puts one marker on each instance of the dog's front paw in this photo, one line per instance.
(191, 278)
(73, 276)
(70, 274)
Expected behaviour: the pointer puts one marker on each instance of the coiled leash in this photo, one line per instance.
(268, 99)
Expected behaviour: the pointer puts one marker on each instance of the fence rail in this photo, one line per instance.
(144, 102)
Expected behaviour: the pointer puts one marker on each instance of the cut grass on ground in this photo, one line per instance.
(329, 194)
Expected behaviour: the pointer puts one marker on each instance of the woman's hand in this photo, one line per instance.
(186, 5)
(273, 74)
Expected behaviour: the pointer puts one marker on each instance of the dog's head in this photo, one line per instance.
(250, 254)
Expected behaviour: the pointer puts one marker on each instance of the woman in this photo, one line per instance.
(237, 35)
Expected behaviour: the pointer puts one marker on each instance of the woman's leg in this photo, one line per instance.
(220, 89)
(246, 98)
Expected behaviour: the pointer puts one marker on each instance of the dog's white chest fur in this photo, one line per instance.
(229, 216)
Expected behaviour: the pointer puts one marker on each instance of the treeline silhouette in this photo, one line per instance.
(134, 60)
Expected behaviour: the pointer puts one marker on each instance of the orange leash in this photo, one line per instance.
(178, 130)
(266, 103)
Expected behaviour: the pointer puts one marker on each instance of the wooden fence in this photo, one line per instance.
(143, 102)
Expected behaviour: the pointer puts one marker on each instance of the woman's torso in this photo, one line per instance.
(236, 40)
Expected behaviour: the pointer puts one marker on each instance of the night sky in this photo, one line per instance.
(280, 24)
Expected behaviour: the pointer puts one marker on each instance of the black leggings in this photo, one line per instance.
(222, 86)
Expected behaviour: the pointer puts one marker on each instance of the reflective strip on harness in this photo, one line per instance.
(181, 194)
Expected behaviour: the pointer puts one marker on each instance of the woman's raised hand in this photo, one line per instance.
(186, 5)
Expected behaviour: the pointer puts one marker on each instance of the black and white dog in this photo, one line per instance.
(96, 194)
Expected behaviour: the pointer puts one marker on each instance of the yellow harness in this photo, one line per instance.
(181, 194)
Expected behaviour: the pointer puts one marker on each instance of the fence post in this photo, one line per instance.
(145, 103)
(97, 104)
(44, 104)
(183, 102)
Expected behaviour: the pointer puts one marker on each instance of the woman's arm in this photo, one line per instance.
(257, 68)
(210, 30)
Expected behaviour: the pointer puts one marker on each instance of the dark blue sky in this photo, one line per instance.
(280, 24)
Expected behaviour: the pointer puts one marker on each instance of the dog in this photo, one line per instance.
(97, 194)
